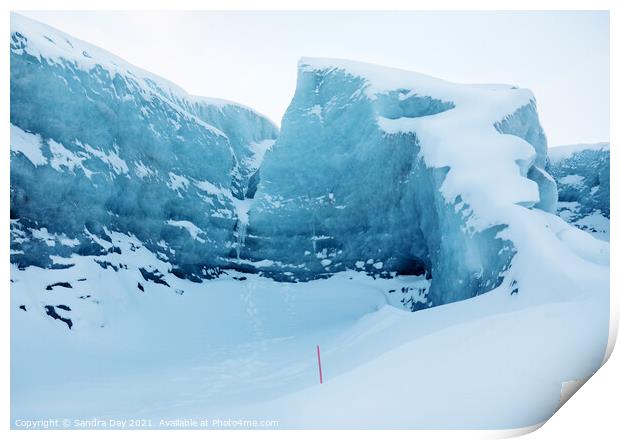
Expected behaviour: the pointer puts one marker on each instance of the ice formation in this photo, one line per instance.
(387, 171)
(376, 169)
(582, 175)
(99, 145)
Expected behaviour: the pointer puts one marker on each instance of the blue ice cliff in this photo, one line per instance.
(389, 171)
(99, 145)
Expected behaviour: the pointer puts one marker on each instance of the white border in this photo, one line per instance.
(593, 413)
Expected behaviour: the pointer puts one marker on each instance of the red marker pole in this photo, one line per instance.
(318, 355)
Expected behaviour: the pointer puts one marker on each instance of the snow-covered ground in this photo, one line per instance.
(594, 223)
(243, 346)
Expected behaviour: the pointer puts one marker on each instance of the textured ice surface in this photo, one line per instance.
(98, 145)
(582, 174)
(376, 169)
(387, 171)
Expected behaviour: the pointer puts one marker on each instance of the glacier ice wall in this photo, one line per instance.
(375, 169)
(99, 145)
(582, 175)
(389, 171)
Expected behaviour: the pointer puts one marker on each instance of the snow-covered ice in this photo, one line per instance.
(392, 172)
(582, 173)
(179, 256)
(97, 143)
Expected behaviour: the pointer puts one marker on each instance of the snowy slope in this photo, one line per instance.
(99, 145)
(582, 174)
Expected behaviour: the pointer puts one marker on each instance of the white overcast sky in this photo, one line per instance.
(251, 57)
